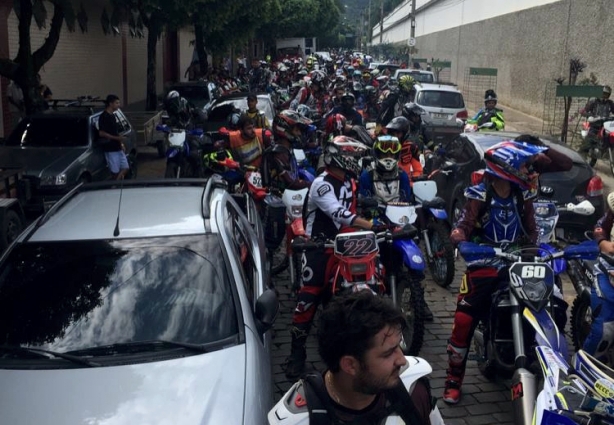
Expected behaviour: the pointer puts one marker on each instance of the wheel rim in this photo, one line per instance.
(440, 265)
(410, 318)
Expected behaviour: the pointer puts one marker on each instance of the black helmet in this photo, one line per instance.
(490, 95)
(411, 111)
(399, 124)
(607, 89)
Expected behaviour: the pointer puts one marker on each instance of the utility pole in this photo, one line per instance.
(370, 28)
(381, 21)
(413, 30)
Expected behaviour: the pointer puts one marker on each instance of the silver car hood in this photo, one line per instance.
(200, 389)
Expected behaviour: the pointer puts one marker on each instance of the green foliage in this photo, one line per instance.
(303, 18)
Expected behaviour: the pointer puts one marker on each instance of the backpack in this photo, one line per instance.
(321, 410)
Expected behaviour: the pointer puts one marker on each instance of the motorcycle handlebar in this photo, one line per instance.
(301, 244)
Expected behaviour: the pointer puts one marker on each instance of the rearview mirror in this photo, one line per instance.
(267, 308)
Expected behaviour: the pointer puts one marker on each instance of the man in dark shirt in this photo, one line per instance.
(111, 141)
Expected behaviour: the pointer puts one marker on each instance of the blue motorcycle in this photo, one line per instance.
(182, 154)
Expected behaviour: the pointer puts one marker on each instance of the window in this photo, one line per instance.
(51, 131)
(243, 249)
(440, 99)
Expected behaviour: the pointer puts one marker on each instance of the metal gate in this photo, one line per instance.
(476, 82)
(562, 106)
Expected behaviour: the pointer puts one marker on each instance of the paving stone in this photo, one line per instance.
(482, 409)
(454, 412)
(479, 419)
(489, 397)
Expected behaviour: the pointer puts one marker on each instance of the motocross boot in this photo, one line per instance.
(295, 363)
(456, 372)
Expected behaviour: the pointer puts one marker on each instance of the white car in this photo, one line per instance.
(441, 101)
(418, 74)
(145, 302)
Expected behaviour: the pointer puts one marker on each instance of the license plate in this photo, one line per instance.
(442, 116)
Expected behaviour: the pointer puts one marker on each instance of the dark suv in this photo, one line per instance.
(58, 149)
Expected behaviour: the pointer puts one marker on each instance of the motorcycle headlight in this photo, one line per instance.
(297, 211)
(58, 180)
(535, 291)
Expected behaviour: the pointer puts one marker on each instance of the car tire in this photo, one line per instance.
(11, 228)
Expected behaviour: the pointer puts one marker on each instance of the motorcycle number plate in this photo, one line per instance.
(255, 179)
(297, 227)
(401, 214)
(357, 244)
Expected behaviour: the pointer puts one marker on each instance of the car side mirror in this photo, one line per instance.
(267, 308)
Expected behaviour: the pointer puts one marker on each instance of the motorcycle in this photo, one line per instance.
(502, 342)
(294, 200)
(179, 159)
(434, 231)
(355, 266)
(580, 393)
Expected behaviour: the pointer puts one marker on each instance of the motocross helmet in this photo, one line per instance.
(400, 124)
(413, 112)
(233, 120)
(607, 90)
(345, 153)
(511, 161)
(387, 150)
(375, 73)
(366, 75)
(489, 96)
(357, 74)
(286, 121)
(348, 100)
(407, 83)
(173, 94)
(335, 124)
(610, 201)
(309, 63)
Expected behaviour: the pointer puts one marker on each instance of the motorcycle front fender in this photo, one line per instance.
(546, 331)
(412, 256)
(172, 153)
(438, 213)
(559, 265)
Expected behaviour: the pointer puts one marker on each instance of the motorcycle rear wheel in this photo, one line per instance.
(581, 319)
(441, 264)
(411, 293)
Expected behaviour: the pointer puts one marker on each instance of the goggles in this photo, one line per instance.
(388, 146)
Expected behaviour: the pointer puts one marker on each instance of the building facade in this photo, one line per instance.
(93, 63)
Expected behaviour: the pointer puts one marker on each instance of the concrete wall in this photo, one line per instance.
(530, 47)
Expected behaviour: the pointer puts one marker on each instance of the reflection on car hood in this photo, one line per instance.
(200, 389)
(40, 161)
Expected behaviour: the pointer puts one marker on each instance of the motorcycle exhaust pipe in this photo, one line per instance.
(524, 394)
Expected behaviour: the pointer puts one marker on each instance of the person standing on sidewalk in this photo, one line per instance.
(110, 140)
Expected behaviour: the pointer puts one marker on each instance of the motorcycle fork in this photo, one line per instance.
(520, 357)
(423, 223)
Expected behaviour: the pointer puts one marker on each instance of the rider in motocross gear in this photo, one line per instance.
(358, 340)
(596, 110)
(490, 115)
(330, 207)
(409, 161)
(601, 336)
(177, 109)
(347, 110)
(498, 211)
(309, 95)
(386, 181)
(417, 131)
(279, 166)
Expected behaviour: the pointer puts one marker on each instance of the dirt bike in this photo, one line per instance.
(503, 342)
(578, 393)
(600, 143)
(355, 265)
(181, 143)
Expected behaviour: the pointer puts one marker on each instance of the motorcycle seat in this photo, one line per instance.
(435, 203)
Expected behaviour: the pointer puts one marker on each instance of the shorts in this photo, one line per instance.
(116, 161)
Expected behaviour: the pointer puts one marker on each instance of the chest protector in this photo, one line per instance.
(386, 190)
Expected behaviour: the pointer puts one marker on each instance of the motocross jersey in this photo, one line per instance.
(388, 190)
(490, 115)
(500, 221)
(599, 108)
(304, 97)
(330, 205)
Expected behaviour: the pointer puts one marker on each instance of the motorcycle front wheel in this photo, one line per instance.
(441, 264)
(172, 170)
(581, 319)
(411, 294)
(611, 158)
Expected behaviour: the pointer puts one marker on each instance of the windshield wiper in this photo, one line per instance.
(139, 346)
(41, 352)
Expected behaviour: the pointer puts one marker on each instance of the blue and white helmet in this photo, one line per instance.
(505, 160)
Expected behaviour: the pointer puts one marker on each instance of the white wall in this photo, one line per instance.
(446, 14)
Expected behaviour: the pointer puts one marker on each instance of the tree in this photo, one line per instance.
(303, 18)
(24, 68)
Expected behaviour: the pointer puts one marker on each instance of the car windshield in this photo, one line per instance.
(51, 131)
(197, 95)
(440, 99)
(66, 296)
(419, 76)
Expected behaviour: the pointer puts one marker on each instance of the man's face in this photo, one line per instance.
(339, 93)
(605, 95)
(491, 104)
(381, 366)
(115, 105)
(252, 103)
(255, 64)
(248, 131)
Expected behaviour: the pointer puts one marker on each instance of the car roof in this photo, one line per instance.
(240, 95)
(438, 87)
(489, 138)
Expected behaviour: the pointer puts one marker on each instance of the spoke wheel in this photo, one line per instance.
(581, 319)
(411, 293)
(441, 264)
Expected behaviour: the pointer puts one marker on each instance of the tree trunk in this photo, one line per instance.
(199, 45)
(153, 31)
